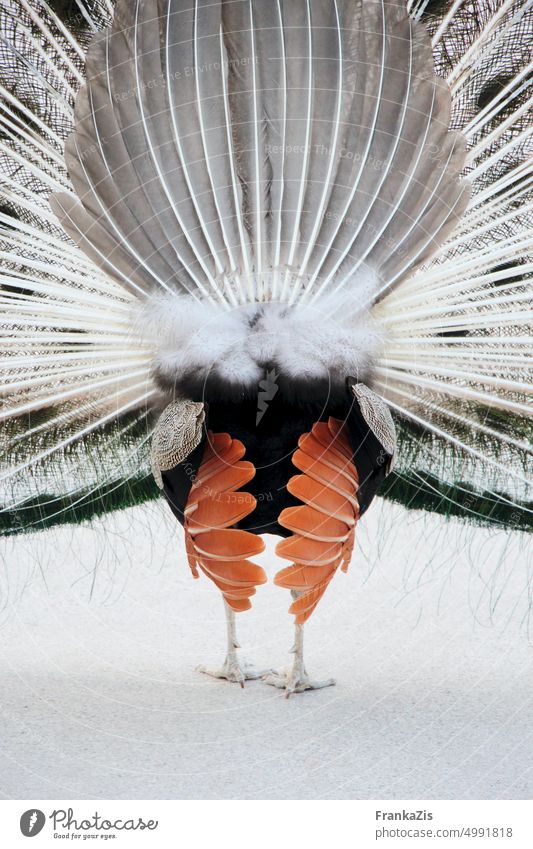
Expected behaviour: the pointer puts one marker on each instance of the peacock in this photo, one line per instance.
(265, 259)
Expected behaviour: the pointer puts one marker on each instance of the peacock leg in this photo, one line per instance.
(233, 669)
(322, 534)
(219, 550)
(296, 679)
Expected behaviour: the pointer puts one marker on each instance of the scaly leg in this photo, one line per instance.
(296, 679)
(233, 669)
(322, 535)
(218, 549)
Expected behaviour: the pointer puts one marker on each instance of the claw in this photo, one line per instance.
(234, 670)
(296, 681)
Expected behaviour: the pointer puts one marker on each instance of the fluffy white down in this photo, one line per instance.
(323, 340)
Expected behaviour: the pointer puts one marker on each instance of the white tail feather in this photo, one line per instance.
(217, 167)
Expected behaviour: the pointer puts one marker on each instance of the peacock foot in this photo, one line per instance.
(234, 669)
(295, 680)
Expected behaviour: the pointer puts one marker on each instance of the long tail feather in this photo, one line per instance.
(282, 151)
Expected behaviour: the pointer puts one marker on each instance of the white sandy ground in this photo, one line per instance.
(428, 636)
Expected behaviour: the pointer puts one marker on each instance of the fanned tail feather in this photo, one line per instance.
(282, 152)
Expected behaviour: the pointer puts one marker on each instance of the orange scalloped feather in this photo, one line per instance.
(323, 528)
(216, 503)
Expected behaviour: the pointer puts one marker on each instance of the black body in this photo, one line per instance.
(270, 444)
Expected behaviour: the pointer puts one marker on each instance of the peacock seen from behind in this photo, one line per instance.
(278, 250)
